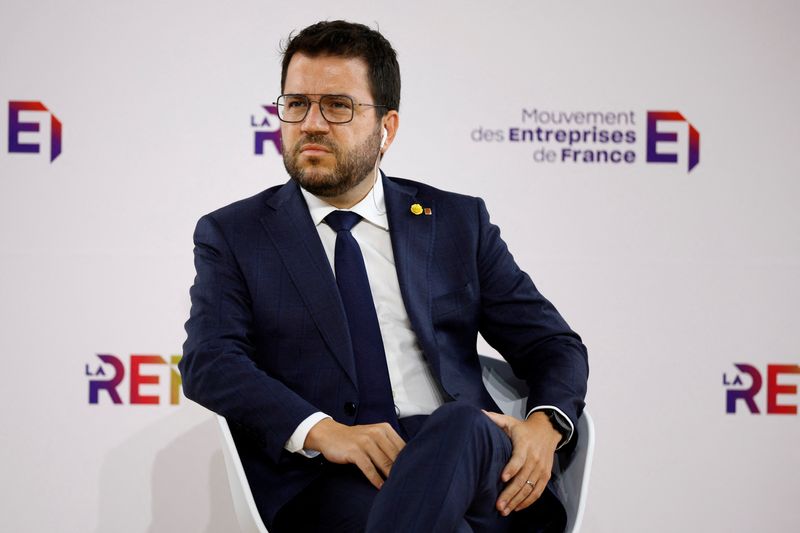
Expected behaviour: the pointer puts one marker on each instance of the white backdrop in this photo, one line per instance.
(670, 276)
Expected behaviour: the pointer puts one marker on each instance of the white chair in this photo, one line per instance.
(243, 502)
(509, 393)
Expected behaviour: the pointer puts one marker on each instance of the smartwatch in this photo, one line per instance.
(559, 424)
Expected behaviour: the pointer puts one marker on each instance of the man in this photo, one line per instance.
(334, 321)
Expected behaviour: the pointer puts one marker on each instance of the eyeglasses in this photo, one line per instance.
(335, 108)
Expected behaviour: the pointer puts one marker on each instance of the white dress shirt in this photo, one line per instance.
(414, 388)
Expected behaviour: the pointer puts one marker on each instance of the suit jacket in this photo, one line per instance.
(268, 343)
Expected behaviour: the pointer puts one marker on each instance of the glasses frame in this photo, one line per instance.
(321, 96)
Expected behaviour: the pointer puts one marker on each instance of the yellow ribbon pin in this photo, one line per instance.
(416, 209)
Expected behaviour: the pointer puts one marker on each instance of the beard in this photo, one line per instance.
(351, 168)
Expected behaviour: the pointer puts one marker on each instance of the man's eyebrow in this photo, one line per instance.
(323, 94)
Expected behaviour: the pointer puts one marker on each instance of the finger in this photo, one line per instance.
(379, 458)
(539, 487)
(514, 465)
(510, 475)
(397, 440)
(368, 469)
(388, 450)
(392, 443)
(525, 490)
(514, 491)
(498, 419)
(531, 498)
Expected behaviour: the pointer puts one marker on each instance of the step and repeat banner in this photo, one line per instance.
(640, 158)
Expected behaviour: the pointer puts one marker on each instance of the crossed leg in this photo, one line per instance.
(447, 478)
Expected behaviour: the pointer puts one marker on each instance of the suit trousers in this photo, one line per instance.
(446, 479)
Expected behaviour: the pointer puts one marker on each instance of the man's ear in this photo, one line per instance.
(391, 121)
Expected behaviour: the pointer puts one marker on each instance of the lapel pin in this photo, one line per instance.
(416, 209)
(428, 211)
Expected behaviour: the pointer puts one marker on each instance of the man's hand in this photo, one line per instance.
(372, 448)
(533, 443)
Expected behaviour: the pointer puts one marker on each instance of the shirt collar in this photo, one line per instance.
(372, 207)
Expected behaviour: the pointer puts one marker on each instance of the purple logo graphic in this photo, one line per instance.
(268, 130)
(16, 126)
(654, 137)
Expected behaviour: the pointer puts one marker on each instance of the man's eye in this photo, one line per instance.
(338, 103)
(295, 104)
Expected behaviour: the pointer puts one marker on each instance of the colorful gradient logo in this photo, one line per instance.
(16, 127)
(595, 137)
(654, 137)
(268, 129)
(151, 379)
(746, 383)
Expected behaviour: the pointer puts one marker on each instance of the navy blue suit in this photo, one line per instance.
(268, 342)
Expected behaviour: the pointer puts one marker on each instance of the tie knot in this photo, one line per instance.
(342, 220)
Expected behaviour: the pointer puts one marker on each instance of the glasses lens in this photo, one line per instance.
(292, 107)
(336, 109)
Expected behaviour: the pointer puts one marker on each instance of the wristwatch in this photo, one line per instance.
(558, 422)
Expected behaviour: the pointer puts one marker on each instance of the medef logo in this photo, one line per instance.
(267, 129)
(21, 127)
(656, 137)
(744, 385)
(153, 378)
(597, 137)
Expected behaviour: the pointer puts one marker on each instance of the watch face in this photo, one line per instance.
(558, 424)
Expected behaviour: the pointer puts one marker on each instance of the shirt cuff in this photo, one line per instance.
(298, 438)
(562, 418)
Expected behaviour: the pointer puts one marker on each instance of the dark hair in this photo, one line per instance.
(349, 39)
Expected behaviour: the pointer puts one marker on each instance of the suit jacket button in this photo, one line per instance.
(350, 408)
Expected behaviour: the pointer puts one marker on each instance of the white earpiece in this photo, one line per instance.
(383, 138)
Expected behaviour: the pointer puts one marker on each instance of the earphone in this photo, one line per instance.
(377, 171)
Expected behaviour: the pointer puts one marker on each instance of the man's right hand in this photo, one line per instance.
(372, 448)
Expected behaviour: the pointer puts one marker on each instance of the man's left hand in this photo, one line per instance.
(533, 443)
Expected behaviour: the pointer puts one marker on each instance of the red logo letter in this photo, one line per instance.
(138, 379)
(773, 389)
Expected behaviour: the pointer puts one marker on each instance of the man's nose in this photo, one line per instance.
(314, 121)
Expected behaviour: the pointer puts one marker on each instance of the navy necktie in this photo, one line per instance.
(376, 403)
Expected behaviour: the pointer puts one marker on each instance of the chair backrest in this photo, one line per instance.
(575, 479)
(510, 394)
(243, 502)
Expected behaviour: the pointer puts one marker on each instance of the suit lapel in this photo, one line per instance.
(412, 243)
(289, 226)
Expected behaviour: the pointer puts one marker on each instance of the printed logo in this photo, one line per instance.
(654, 137)
(591, 137)
(267, 129)
(746, 383)
(20, 128)
(152, 378)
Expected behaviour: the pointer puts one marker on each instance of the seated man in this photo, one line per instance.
(334, 324)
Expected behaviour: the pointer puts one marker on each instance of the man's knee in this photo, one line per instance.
(463, 419)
